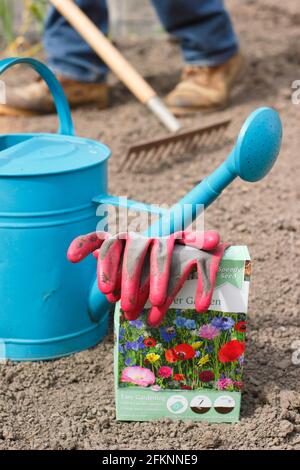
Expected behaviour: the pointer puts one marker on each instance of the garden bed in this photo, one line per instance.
(69, 403)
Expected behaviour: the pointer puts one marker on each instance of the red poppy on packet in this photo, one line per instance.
(231, 351)
(179, 377)
(181, 352)
(240, 326)
(149, 342)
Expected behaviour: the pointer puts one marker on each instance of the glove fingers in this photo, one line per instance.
(134, 259)
(109, 264)
(156, 315)
(112, 298)
(181, 267)
(202, 240)
(115, 295)
(207, 272)
(160, 262)
(141, 301)
(203, 286)
(82, 246)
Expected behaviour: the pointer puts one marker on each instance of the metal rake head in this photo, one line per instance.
(154, 154)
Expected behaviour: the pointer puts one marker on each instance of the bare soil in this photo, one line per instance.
(69, 403)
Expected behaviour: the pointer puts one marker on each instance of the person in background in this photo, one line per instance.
(209, 46)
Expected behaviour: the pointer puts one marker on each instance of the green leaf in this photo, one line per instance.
(6, 18)
(37, 9)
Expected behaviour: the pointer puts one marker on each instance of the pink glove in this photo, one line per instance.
(185, 259)
(134, 268)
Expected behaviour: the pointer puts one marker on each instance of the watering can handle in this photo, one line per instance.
(62, 107)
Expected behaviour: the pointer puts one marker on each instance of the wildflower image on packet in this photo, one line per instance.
(191, 365)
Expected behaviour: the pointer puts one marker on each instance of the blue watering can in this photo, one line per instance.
(50, 186)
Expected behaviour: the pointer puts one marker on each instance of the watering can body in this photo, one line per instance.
(48, 307)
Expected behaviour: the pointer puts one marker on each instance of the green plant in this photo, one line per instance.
(34, 12)
(37, 10)
(6, 19)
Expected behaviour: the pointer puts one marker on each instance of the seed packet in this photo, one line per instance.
(191, 366)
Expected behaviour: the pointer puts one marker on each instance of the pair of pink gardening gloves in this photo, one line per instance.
(135, 268)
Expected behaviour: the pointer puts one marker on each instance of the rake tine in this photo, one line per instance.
(198, 141)
(127, 160)
(205, 140)
(164, 150)
(198, 138)
(141, 161)
(213, 138)
(202, 139)
(172, 152)
(176, 146)
(151, 155)
(160, 155)
(185, 146)
(218, 136)
(192, 145)
(133, 157)
(179, 146)
(136, 157)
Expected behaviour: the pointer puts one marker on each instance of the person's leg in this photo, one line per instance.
(203, 27)
(80, 71)
(67, 53)
(210, 49)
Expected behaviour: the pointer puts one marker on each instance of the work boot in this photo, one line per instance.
(205, 88)
(35, 98)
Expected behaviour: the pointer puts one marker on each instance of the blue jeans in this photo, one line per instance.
(203, 27)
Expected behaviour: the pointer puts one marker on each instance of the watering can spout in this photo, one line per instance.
(252, 157)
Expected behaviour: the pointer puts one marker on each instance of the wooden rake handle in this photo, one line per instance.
(115, 61)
